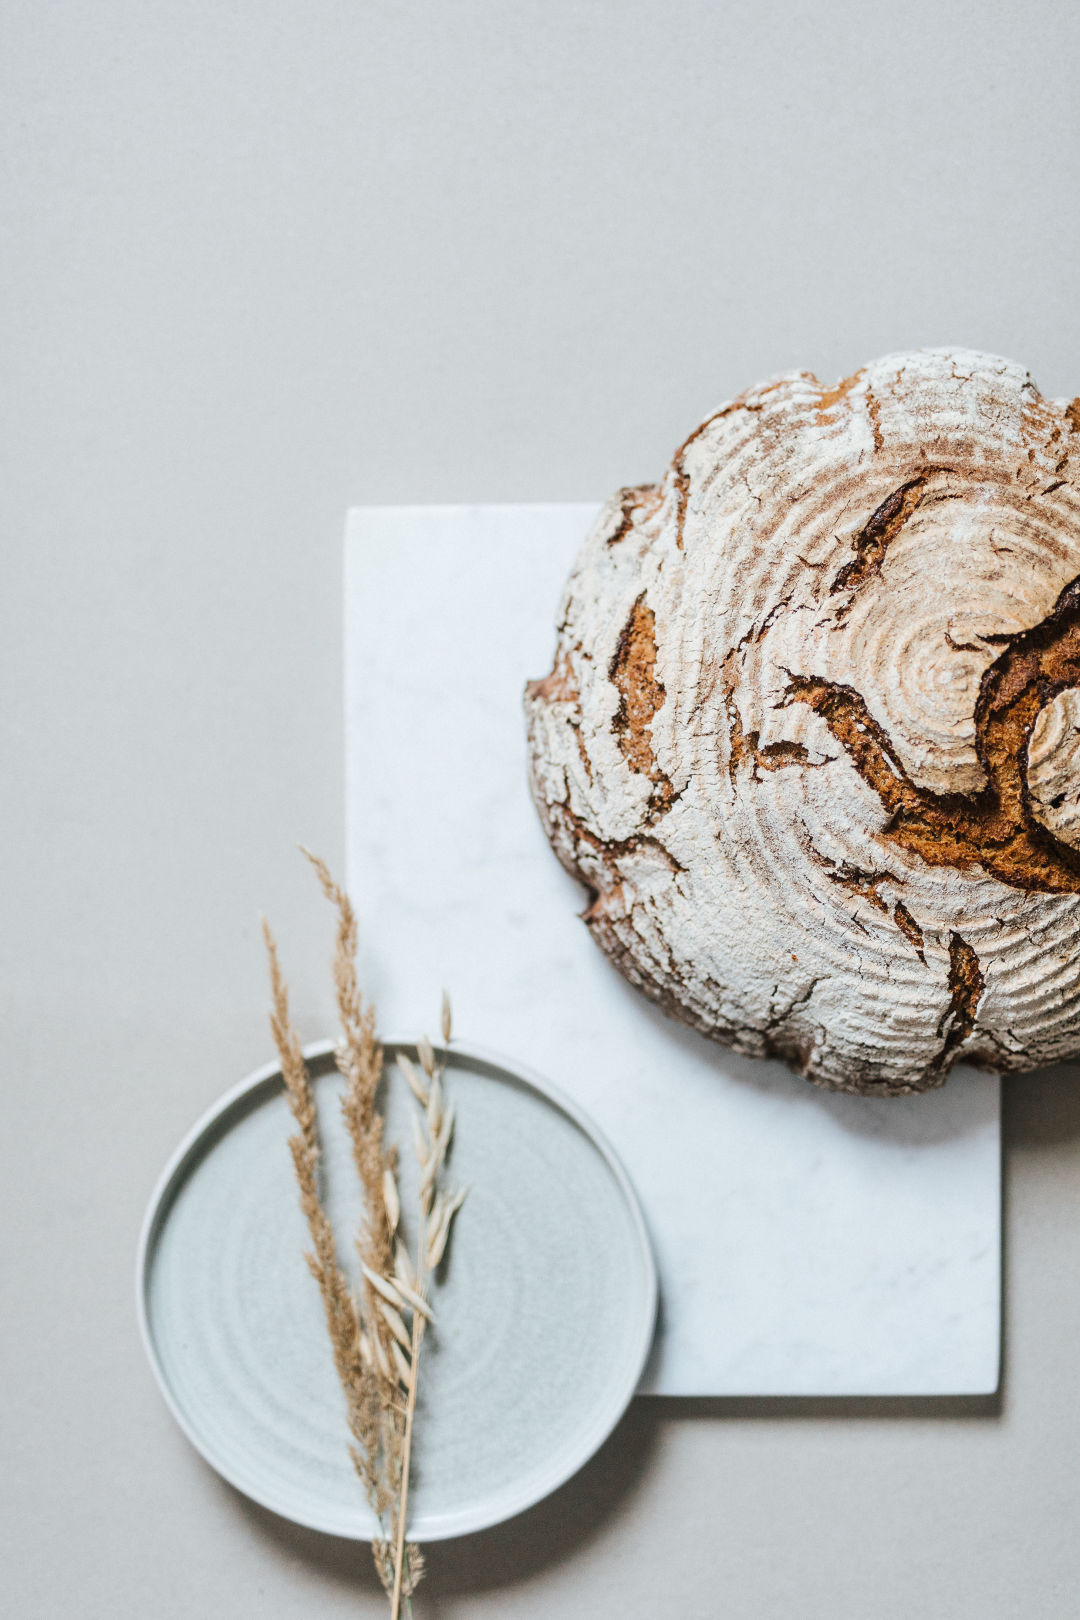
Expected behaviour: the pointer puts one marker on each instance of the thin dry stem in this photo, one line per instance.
(431, 1136)
(410, 1414)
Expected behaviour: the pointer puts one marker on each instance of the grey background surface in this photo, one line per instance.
(264, 261)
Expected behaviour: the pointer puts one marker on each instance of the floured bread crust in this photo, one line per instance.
(812, 735)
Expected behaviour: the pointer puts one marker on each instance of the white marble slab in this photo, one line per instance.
(808, 1244)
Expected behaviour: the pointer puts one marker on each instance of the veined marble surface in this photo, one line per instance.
(808, 1243)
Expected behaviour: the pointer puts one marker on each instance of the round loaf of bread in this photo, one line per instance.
(812, 735)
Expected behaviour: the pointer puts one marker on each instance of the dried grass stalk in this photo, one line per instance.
(376, 1335)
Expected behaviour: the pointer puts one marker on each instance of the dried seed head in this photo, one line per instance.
(447, 1021)
(374, 1348)
(404, 1271)
(435, 1106)
(427, 1184)
(438, 1227)
(415, 1560)
(381, 1359)
(381, 1286)
(420, 1141)
(436, 1215)
(391, 1199)
(437, 1243)
(395, 1323)
(446, 1131)
(458, 1199)
(401, 1363)
(416, 1085)
(410, 1296)
(384, 1564)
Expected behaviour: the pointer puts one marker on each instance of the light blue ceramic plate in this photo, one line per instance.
(543, 1322)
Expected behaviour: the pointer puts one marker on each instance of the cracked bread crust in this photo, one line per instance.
(811, 740)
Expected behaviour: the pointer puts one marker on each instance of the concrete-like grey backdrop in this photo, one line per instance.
(264, 260)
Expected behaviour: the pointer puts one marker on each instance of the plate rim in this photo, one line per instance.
(460, 1521)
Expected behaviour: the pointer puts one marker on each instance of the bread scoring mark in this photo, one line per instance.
(873, 410)
(863, 884)
(880, 529)
(909, 928)
(965, 985)
(833, 396)
(774, 756)
(575, 726)
(746, 746)
(641, 696)
(739, 745)
(635, 501)
(753, 401)
(830, 397)
(994, 829)
(560, 686)
(682, 497)
(614, 849)
(867, 885)
(595, 861)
